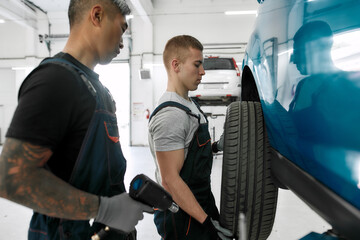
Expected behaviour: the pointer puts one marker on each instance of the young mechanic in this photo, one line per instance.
(62, 155)
(180, 143)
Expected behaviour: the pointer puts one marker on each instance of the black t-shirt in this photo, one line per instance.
(54, 110)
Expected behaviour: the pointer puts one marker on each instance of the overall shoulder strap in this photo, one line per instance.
(71, 66)
(62, 61)
(201, 111)
(172, 104)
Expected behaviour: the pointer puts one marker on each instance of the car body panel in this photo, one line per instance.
(316, 236)
(311, 105)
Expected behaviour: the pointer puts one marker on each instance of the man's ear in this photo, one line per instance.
(175, 65)
(96, 14)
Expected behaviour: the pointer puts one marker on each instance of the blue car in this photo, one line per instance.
(297, 125)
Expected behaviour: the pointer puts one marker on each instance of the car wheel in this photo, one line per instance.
(247, 186)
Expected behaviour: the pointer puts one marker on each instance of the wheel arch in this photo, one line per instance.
(249, 90)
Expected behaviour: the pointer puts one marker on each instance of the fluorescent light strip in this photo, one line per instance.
(22, 68)
(129, 17)
(250, 12)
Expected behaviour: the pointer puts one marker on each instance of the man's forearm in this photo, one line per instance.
(25, 181)
(183, 196)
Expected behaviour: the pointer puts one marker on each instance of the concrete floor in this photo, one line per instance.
(293, 220)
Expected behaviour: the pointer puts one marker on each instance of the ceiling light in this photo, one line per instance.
(249, 12)
(26, 69)
(2, 21)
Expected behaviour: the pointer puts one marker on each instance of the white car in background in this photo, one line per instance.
(221, 83)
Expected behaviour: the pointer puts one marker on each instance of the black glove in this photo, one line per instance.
(218, 145)
(214, 147)
(121, 212)
(215, 227)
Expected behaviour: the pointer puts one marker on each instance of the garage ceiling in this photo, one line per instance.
(208, 6)
(22, 11)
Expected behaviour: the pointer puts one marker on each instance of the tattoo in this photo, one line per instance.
(23, 179)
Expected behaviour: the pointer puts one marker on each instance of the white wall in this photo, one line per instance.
(208, 28)
(59, 26)
(20, 51)
(141, 90)
(7, 98)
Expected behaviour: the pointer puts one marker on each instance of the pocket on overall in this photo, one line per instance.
(35, 234)
(115, 158)
(112, 131)
(43, 227)
(203, 160)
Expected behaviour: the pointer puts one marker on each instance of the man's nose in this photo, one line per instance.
(202, 70)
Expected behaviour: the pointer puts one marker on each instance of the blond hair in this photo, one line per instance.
(178, 47)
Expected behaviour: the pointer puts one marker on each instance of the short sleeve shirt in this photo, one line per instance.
(54, 110)
(172, 128)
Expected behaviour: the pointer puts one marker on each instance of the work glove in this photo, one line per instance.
(121, 212)
(217, 229)
(218, 145)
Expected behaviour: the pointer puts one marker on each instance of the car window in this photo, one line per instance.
(218, 63)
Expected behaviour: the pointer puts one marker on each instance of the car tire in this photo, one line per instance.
(247, 186)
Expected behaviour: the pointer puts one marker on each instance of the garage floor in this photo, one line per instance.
(293, 219)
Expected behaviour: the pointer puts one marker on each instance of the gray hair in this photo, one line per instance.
(123, 7)
(77, 8)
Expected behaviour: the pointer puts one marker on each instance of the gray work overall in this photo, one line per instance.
(99, 168)
(196, 174)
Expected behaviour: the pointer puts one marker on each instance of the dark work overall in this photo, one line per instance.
(99, 168)
(196, 174)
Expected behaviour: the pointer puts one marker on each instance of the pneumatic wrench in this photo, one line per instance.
(145, 190)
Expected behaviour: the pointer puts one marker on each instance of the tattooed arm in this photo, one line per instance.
(24, 180)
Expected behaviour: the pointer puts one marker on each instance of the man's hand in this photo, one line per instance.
(218, 145)
(121, 212)
(216, 228)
